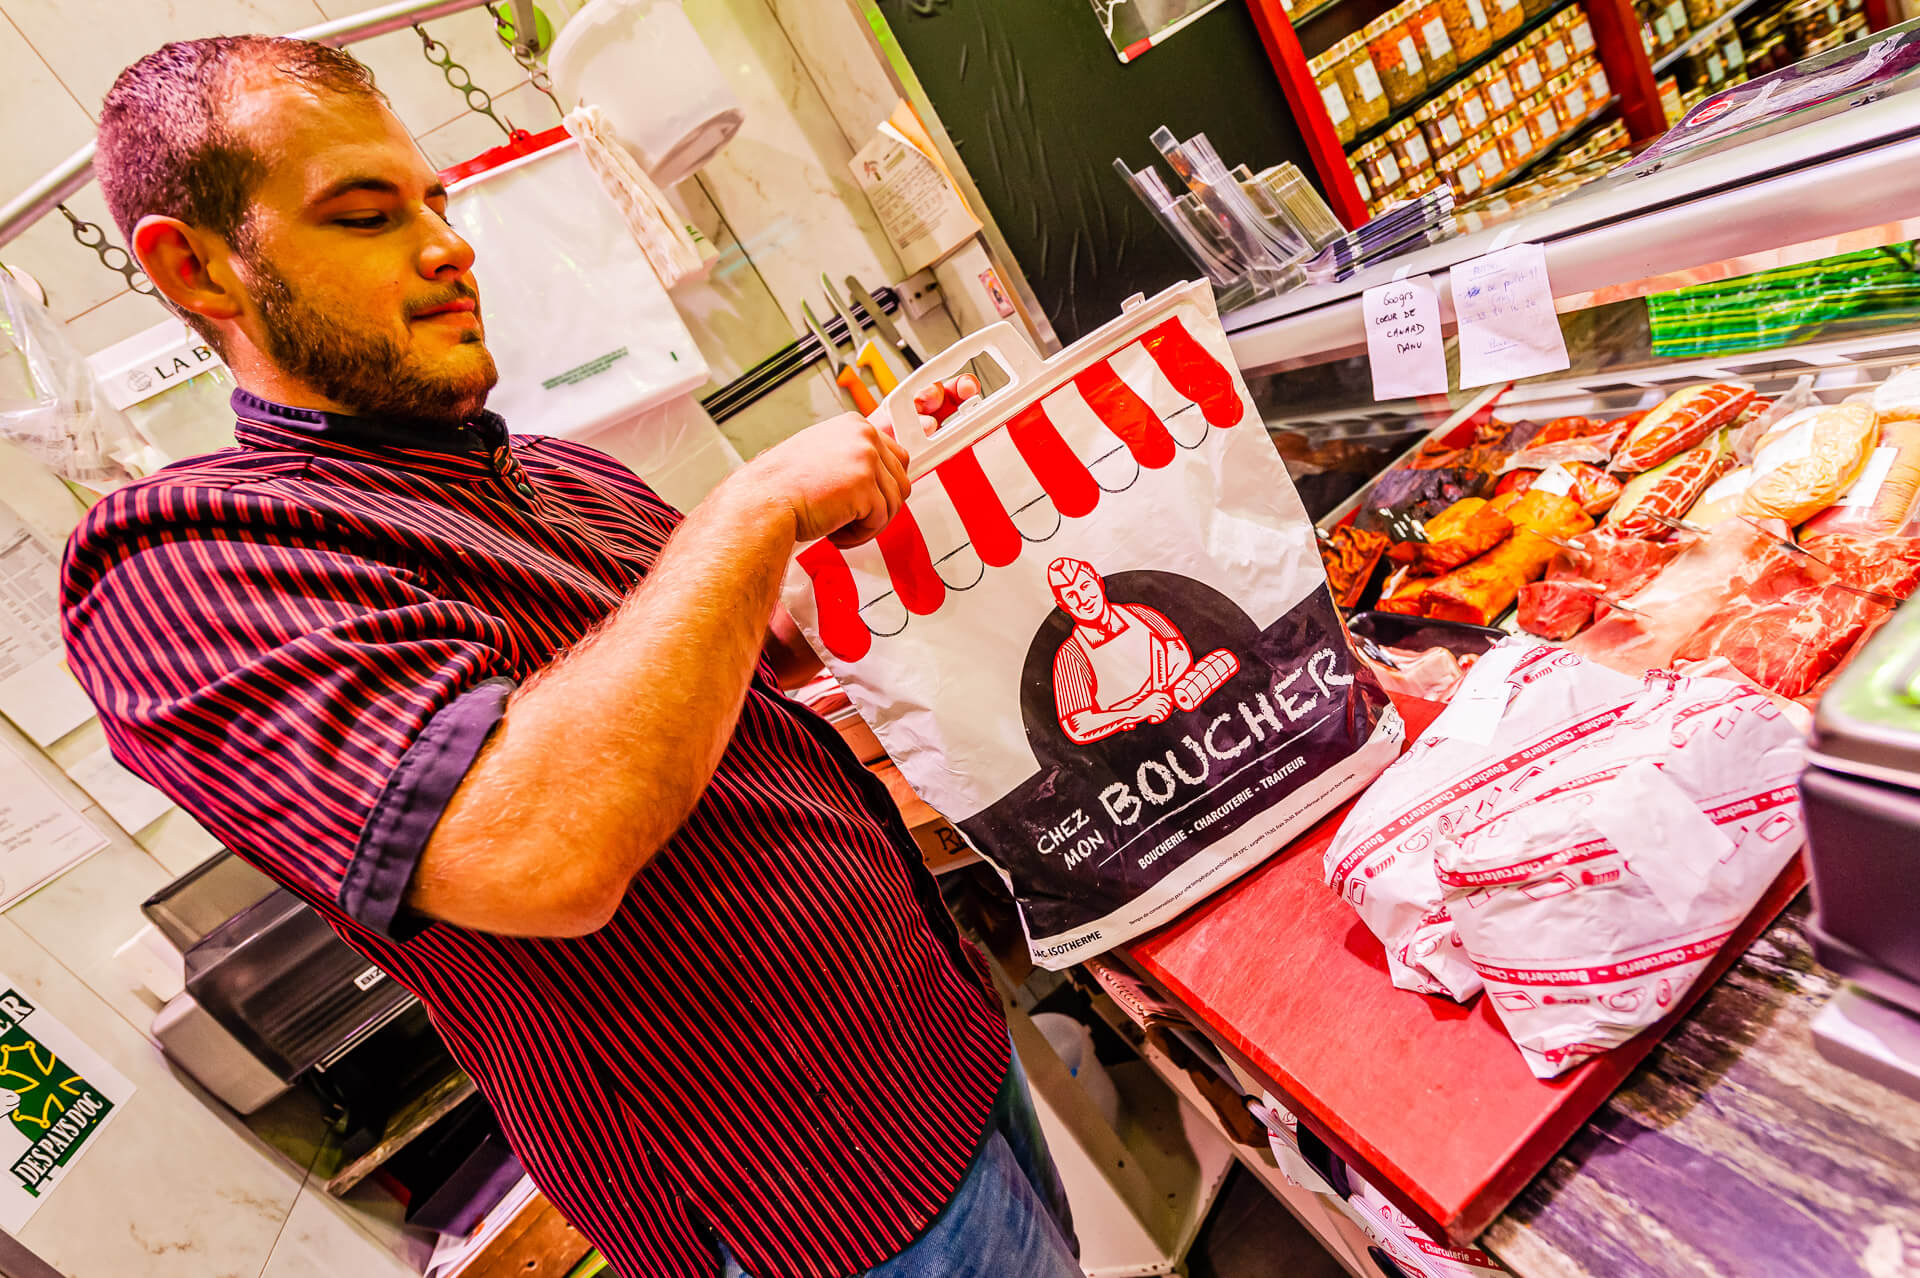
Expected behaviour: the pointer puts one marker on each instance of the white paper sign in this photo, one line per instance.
(1508, 328)
(127, 799)
(39, 834)
(1404, 345)
(56, 1096)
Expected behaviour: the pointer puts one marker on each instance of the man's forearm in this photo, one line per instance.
(603, 754)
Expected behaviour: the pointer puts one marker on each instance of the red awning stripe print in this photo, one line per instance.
(1063, 476)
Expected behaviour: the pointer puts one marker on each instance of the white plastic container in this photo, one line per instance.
(642, 63)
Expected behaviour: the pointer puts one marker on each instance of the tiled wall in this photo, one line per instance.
(177, 1187)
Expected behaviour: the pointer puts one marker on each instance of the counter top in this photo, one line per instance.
(1735, 1134)
(1734, 1149)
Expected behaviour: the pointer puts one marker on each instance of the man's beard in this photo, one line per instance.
(366, 371)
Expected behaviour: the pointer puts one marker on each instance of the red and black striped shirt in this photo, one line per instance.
(305, 640)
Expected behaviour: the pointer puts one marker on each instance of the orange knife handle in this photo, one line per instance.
(863, 399)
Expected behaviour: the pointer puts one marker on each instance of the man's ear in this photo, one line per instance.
(188, 266)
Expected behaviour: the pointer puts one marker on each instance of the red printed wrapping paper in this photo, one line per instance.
(1099, 638)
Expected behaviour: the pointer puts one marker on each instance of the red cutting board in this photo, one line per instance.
(1429, 1100)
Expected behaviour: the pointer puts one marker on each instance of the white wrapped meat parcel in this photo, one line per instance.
(1579, 841)
(1098, 637)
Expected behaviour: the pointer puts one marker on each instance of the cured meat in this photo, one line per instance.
(1669, 489)
(1813, 464)
(1583, 448)
(1487, 587)
(1562, 428)
(1403, 593)
(1350, 555)
(1891, 504)
(1682, 420)
(1587, 484)
(1463, 531)
(1557, 609)
(1421, 494)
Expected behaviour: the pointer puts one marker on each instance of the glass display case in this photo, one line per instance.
(1767, 237)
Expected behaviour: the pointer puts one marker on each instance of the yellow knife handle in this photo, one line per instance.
(871, 359)
(863, 399)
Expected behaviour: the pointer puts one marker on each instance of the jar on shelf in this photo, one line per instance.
(1491, 164)
(1440, 122)
(1402, 73)
(1701, 12)
(1429, 27)
(1359, 82)
(1555, 56)
(1499, 91)
(1534, 8)
(1410, 151)
(1543, 121)
(1468, 26)
(1470, 104)
(1677, 18)
(1571, 101)
(1579, 32)
(1507, 16)
(1525, 71)
(1332, 97)
(1734, 53)
(1656, 29)
(1517, 144)
(1598, 90)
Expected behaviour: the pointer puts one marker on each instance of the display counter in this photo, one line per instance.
(1719, 1141)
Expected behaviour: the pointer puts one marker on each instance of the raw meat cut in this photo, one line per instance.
(1557, 609)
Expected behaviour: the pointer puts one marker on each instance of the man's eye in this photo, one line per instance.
(364, 221)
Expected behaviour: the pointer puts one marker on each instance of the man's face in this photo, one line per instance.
(358, 286)
(1085, 597)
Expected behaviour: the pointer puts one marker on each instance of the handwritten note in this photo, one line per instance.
(1508, 329)
(1404, 346)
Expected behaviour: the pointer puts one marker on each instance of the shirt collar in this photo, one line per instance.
(465, 449)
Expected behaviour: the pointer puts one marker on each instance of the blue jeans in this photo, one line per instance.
(1008, 1217)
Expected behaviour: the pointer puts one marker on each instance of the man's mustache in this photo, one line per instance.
(458, 293)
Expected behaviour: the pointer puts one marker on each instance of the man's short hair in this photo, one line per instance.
(166, 144)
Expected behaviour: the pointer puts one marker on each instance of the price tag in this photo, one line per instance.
(1450, 130)
(1502, 94)
(1475, 112)
(1508, 328)
(1577, 103)
(1404, 346)
(1529, 75)
(1582, 36)
(1554, 479)
(1368, 80)
(1438, 46)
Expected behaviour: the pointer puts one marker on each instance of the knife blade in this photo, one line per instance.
(856, 334)
(882, 323)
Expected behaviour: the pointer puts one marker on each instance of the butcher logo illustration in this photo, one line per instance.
(1125, 664)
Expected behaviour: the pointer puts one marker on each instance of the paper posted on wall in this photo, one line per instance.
(56, 1096)
(912, 192)
(40, 834)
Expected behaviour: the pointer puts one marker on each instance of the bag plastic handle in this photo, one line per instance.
(1012, 352)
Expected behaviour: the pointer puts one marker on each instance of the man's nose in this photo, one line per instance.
(445, 255)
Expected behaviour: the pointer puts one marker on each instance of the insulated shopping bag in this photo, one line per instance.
(1098, 637)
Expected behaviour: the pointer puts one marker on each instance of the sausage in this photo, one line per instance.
(1682, 420)
(1669, 489)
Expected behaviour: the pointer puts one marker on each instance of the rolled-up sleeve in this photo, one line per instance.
(311, 702)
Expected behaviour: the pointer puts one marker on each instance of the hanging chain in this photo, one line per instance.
(479, 101)
(111, 255)
(536, 70)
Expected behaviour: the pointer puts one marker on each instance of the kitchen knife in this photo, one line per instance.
(881, 323)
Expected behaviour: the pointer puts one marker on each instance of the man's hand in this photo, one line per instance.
(1154, 707)
(842, 479)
